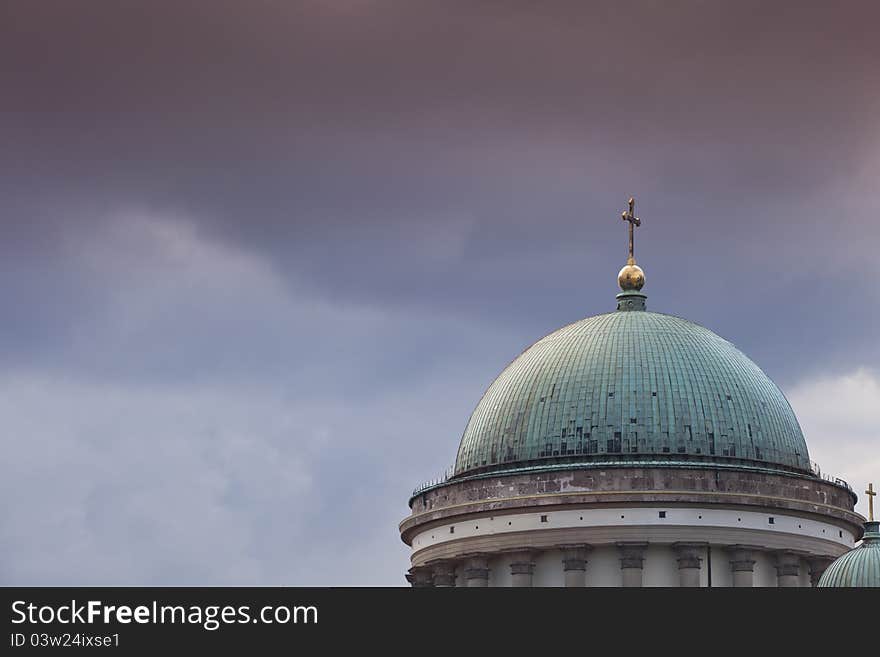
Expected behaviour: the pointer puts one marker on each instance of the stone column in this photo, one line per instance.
(788, 569)
(522, 568)
(818, 565)
(420, 577)
(476, 571)
(742, 565)
(632, 559)
(444, 573)
(574, 564)
(689, 562)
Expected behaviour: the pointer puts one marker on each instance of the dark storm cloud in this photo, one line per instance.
(373, 109)
(338, 137)
(363, 209)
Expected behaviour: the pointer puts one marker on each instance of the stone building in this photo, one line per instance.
(630, 448)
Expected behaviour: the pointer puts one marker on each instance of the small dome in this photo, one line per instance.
(860, 567)
(632, 386)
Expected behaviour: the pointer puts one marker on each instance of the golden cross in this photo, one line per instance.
(870, 493)
(633, 220)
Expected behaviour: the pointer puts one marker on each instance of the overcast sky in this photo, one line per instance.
(259, 260)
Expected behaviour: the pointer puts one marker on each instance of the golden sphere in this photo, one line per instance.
(631, 277)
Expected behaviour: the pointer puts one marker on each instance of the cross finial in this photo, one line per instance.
(870, 493)
(629, 215)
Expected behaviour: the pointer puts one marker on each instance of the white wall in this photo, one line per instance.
(634, 517)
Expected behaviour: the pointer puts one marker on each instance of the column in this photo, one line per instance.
(522, 568)
(689, 562)
(420, 577)
(818, 565)
(788, 569)
(444, 573)
(632, 559)
(476, 571)
(742, 565)
(574, 564)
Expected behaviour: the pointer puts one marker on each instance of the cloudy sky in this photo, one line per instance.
(259, 260)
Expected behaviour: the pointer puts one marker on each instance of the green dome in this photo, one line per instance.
(627, 386)
(858, 567)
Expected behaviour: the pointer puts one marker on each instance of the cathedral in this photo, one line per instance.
(635, 448)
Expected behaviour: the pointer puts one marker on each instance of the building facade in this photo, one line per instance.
(630, 448)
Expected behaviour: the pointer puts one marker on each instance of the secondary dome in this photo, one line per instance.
(628, 386)
(859, 567)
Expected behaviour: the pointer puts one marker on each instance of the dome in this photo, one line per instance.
(859, 567)
(632, 386)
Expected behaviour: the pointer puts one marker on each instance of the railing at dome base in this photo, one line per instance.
(827, 477)
(447, 475)
(431, 483)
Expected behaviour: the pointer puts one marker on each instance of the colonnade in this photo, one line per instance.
(474, 569)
